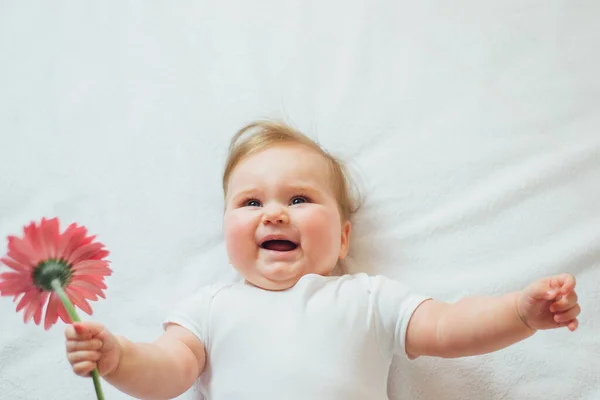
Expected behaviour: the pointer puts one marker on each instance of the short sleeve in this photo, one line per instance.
(193, 312)
(395, 304)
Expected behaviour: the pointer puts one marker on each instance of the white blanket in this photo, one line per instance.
(473, 128)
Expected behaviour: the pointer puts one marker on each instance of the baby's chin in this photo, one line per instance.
(276, 276)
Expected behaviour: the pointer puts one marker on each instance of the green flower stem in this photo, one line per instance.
(56, 286)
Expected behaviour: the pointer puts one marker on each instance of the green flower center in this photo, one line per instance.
(48, 270)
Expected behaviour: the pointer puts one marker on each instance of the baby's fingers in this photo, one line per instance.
(568, 315)
(84, 368)
(78, 345)
(572, 325)
(563, 283)
(564, 303)
(83, 330)
(83, 356)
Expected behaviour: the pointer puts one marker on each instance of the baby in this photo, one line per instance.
(293, 329)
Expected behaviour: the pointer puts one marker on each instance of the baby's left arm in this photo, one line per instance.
(475, 326)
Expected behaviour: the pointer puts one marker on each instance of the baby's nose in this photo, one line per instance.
(275, 215)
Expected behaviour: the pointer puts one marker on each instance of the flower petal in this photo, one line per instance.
(70, 240)
(31, 232)
(91, 267)
(93, 271)
(26, 299)
(13, 283)
(64, 239)
(84, 252)
(43, 248)
(79, 301)
(76, 242)
(31, 307)
(16, 292)
(48, 237)
(14, 276)
(10, 263)
(89, 264)
(85, 294)
(21, 251)
(62, 313)
(26, 247)
(93, 279)
(87, 240)
(51, 311)
(86, 289)
(11, 288)
(37, 317)
(100, 255)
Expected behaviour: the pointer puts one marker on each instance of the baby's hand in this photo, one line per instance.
(90, 346)
(550, 303)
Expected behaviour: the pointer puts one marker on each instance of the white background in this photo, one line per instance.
(472, 126)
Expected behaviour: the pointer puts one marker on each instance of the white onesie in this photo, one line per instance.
(325, 338)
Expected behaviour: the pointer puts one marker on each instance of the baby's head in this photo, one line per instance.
(288, 205)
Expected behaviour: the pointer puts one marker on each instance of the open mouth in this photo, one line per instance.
(279, 245)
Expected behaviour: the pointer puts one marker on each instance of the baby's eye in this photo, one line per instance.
(251, 203)
(299, 200)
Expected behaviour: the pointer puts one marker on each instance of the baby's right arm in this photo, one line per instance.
(163, 369)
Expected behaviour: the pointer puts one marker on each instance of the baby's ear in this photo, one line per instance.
(345, 239)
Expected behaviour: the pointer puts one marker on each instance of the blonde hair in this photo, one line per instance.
(270, 133)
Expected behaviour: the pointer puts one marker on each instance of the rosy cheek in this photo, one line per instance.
(238, 229)
(320, 226)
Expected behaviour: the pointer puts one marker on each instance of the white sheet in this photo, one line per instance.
(473, 127)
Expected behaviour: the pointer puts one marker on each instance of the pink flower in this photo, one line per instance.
(44, 254)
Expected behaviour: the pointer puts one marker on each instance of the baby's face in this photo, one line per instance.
(281, 218)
